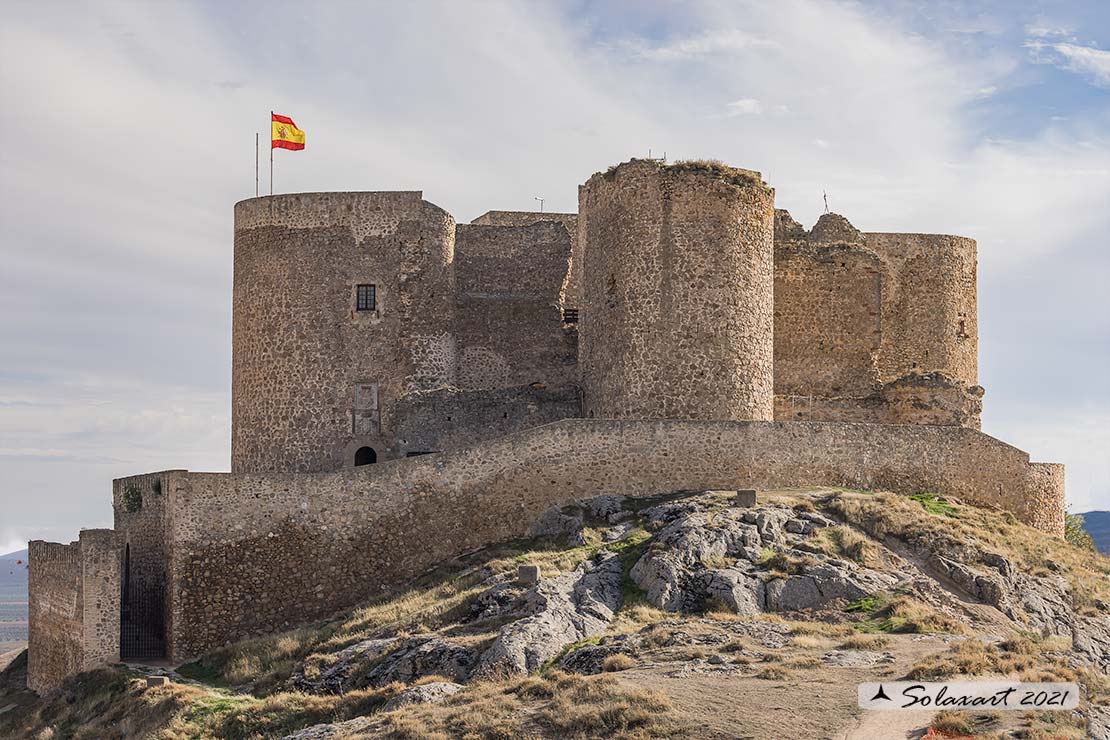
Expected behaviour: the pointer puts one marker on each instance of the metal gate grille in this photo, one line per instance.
(142, 626)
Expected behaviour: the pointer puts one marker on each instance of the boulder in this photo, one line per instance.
(435, 692)
(737, 589)
(822, 583)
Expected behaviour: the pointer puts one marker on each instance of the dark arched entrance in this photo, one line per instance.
(365, 456)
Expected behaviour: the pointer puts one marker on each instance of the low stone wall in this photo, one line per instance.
(255, 553)
(73, 609)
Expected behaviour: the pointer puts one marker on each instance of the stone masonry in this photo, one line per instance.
(678, 333)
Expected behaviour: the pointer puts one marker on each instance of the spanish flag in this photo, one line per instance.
(284, 133)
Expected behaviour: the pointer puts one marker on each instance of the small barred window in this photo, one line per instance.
(367, 299)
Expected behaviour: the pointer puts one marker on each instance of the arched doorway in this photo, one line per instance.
(366, 456)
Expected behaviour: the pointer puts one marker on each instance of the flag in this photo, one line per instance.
(284, 133)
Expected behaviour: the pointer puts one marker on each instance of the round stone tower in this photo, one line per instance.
(342, 302)
(678, 321)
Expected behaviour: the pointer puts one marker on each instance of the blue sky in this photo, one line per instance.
(129, 135)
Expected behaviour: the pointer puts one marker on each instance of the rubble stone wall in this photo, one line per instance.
(508, 322)
(256, 553)
(874, 327)
(73, 607)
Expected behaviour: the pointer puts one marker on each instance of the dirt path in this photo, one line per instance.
(877, 725)
(810, 703)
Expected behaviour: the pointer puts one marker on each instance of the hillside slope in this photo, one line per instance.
(678, 615)
(1097, 524)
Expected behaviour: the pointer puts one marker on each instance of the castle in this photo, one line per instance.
(406, 389)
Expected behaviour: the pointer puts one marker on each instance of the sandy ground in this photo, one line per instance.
(812, 702)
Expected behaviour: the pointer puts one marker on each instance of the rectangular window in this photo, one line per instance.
(367, 299)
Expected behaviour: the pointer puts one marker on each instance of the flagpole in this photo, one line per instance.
(271, 154)
(255, 164)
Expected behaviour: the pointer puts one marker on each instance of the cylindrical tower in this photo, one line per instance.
(678, 318)
(342, 302)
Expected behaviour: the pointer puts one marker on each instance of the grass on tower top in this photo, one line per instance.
(718, 170)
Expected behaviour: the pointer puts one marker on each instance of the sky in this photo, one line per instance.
(129, 135)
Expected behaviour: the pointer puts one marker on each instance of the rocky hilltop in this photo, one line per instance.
(710, 614)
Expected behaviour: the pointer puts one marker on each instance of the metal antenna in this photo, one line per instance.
(826, 197)
(536, 197)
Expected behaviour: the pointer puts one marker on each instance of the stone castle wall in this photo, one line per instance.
(449, 418)
(313, 379)
(874, 327)
(571, 293)
(508, 322)
(144, 535)
(678, 318)
(73, 607)
(256, 553)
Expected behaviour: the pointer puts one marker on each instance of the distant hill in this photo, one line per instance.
(1097, 523)
(13, 601)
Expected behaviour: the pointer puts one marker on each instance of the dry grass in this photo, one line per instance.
(557, 704)
(657, 636)
(783, 565)
(950, 723)
(617, 662)
(774, 673)
(813, 642)
(844, 542)
(903, 614)
(967, 657)
(821, 629)
(1018, 657)
(1054, 726)
(865, 642)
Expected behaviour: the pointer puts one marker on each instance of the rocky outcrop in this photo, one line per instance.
(561, 611)
(424, 656)
(332, 680)
(681, 569)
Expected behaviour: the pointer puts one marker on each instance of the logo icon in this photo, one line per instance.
(881, 694)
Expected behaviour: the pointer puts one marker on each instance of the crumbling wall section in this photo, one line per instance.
(570, 295)
(73, 607)
(508, 325)
(874, 328)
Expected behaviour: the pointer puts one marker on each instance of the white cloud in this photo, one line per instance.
(1085, 60)
(701, 45)
(1043, 31)
(744, 107)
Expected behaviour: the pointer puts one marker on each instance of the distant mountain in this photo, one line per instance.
(17, 555)
(1097, 523)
